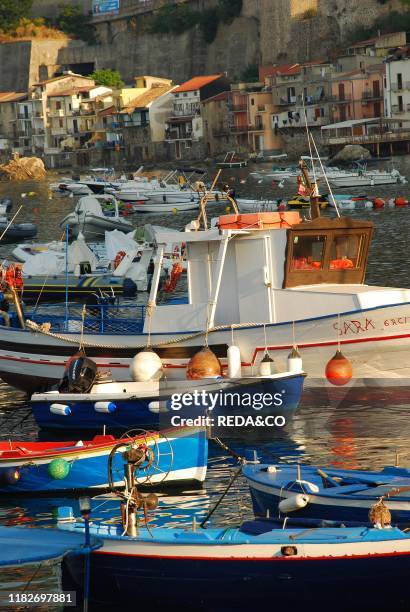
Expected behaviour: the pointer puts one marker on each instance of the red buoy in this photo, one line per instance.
(339, 369)
(401, 202)
(378, 203)
(282, 206)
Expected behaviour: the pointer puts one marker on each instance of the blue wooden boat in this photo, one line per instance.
(179, 457)
(120, 405)
(309, 491)
(229, 568)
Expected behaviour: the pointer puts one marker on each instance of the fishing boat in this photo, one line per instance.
(313, 492)
(6, 205)
(88, 218)
(156, 402)
(177, 456)
(272, 280)
(252, 564)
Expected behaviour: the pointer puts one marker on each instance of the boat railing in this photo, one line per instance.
(119, 319)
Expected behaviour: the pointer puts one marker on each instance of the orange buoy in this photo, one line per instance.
(401, 202)
(339, 370)
(204, 364)
(378, 203)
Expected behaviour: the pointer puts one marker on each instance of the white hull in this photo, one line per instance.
(356, 180)
(94, 225)
(256, 205)
(375, 340)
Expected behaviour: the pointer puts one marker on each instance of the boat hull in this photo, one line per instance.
(376, 341)
(216, 579)
(182, 457)
(134, 410)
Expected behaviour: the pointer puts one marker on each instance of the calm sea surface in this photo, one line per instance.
(357, 436)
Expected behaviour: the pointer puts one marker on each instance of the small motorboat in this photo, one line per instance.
(250, 205)
(180, 455)
(258, 562)
(327, 493)
(232, 161)
(16, 231)
(141, 404)
(89, 219)
(300, 201)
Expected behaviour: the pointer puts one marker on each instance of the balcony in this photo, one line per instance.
(397, 110)
(220, 132)
(58, 131)
(372, 95)
(239, 108)
(240, 129)
(23, 117)
(286, 101)
(56, 112)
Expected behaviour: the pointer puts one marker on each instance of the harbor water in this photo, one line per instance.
(322, 432)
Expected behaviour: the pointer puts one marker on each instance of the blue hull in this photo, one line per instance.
(135, 412)
(180, 458)
(264, 504)
(214, 584)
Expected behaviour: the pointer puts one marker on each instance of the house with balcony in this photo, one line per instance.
(216, 113)
(184, 126)
(72, 116)
(397, 92)
(300, 94)
(252, 113)
(358, 94)
(139, 127)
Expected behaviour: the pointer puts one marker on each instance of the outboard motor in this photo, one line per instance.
(79, 375)
(129, 288)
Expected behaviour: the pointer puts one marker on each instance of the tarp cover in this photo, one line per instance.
(116, 241)
(46, 263)
(89, 205)
(78, 252)
(22, 545)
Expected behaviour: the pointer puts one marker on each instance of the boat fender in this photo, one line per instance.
(9, 476)
(61, 409)
(296, 502)
(234, 362)
(158, 407)
(309, 485)
(295, 364)
(271, 469)
(105, 407)
(146, 366)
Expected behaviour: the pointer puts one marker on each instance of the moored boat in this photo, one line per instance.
(178, 456)
(89, 219)
(328, 493)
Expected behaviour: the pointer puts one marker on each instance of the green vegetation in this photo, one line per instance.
(108, 78)
(179, 18)
(11, 12)
(249, 75)
(72, 21)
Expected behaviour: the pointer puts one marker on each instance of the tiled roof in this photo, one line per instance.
(197, 83)
(107, 111)
(12, 96)
(364, 43)
(146, 98)
(62, 76)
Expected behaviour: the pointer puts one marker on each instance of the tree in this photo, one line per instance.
(11, 11)
(72, 21)
(107, 77)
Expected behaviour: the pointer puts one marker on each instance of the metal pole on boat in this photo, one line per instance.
(66, 277)
(85, 509)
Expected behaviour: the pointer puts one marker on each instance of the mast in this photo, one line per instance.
(312, 190)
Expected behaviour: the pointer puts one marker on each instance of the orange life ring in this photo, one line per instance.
(118, 258)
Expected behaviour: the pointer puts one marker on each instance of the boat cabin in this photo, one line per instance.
(271, 268)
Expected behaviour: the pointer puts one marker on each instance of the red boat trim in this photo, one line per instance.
(267, 559)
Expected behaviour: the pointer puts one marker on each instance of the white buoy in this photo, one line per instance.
(158, 407)
(266, 365)
(145, 366)
(107, 407)
(61, 409)
(271, 469)
(295, 363)
(296, 502)
(234, 362)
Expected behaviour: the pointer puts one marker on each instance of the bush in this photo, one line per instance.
(73, 22)
(108, 78)
(12, 11)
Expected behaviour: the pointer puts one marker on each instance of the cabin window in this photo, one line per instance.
(345, 251)
(308, 252)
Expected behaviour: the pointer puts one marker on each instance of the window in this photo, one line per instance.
(400, 103)
(308, 252)
(345, 251)
(252, 102)
(399, 81)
